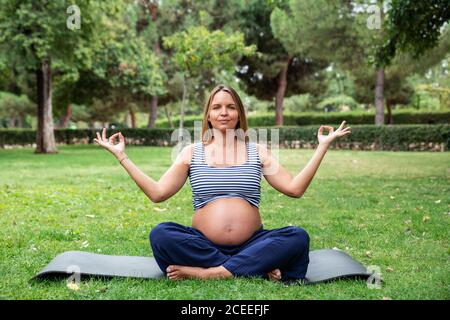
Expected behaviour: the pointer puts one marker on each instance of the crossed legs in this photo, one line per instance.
(278, 254)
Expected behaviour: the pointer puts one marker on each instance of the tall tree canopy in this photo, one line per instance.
(414, 27)
(298, 28)
(44, 36)
(199, 52)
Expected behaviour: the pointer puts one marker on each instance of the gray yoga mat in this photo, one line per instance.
(324, 265)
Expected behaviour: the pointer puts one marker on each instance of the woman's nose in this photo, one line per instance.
(224, 110)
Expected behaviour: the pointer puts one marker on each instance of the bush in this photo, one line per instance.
(14, 107)
(255, 105)
(298, 103)
(365, 137)
(338, 103)
(355, 117)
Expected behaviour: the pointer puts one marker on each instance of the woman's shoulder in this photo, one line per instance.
(260, 147)
(263, 151)
(186, 154)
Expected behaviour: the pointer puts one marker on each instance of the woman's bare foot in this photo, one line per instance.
(275, 275)
(175, 272)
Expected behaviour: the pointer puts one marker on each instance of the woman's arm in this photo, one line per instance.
(301, 181)
(169, 184)
(149, 186)
(281, 180)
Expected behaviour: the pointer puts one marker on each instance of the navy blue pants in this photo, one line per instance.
(285, 248)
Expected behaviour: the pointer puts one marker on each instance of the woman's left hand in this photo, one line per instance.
(340, 132)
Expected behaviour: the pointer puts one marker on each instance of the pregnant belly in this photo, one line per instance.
(227, 221)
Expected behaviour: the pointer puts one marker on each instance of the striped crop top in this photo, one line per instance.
(210, 183)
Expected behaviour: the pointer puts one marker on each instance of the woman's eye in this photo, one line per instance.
(219, 107)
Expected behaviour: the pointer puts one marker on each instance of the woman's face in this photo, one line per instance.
(223, 112)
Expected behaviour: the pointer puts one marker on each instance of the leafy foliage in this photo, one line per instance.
(198, 50)
(413, 26)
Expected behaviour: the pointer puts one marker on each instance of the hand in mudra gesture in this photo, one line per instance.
(340, 132)
(109, 143)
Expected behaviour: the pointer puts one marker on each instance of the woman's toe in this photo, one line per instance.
(173, 276)
(275, 274)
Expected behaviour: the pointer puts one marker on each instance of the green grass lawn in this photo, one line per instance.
(395, 205)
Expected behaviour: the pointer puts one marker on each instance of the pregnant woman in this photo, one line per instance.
(227, 238)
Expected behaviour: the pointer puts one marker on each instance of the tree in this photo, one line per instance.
(129, 66)
(300, 26)
(123, 72)
(414, 27)
(200, 53)
(152, 8)
(411, 26)
(390, 85)
(158, 19)
(273, 74)
(15, 108)
(45, 36)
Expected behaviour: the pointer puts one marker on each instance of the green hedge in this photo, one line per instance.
(359, 117)
(365, 137)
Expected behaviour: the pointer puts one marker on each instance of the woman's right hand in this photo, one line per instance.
(108, 144)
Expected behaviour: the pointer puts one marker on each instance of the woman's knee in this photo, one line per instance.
(300, 238)
(160, 233)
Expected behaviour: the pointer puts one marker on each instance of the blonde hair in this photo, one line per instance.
(207, 134)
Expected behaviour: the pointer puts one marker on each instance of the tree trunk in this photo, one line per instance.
(45, 138)
(169, 117)
(133, 119)
(183, 101)
(379, 96)
(12, 122)
(282, 84)
(153, 10)
(390, 120)
(20, 121)
(379, 84)
(153, 112)
(64, 120)
(127, 119)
